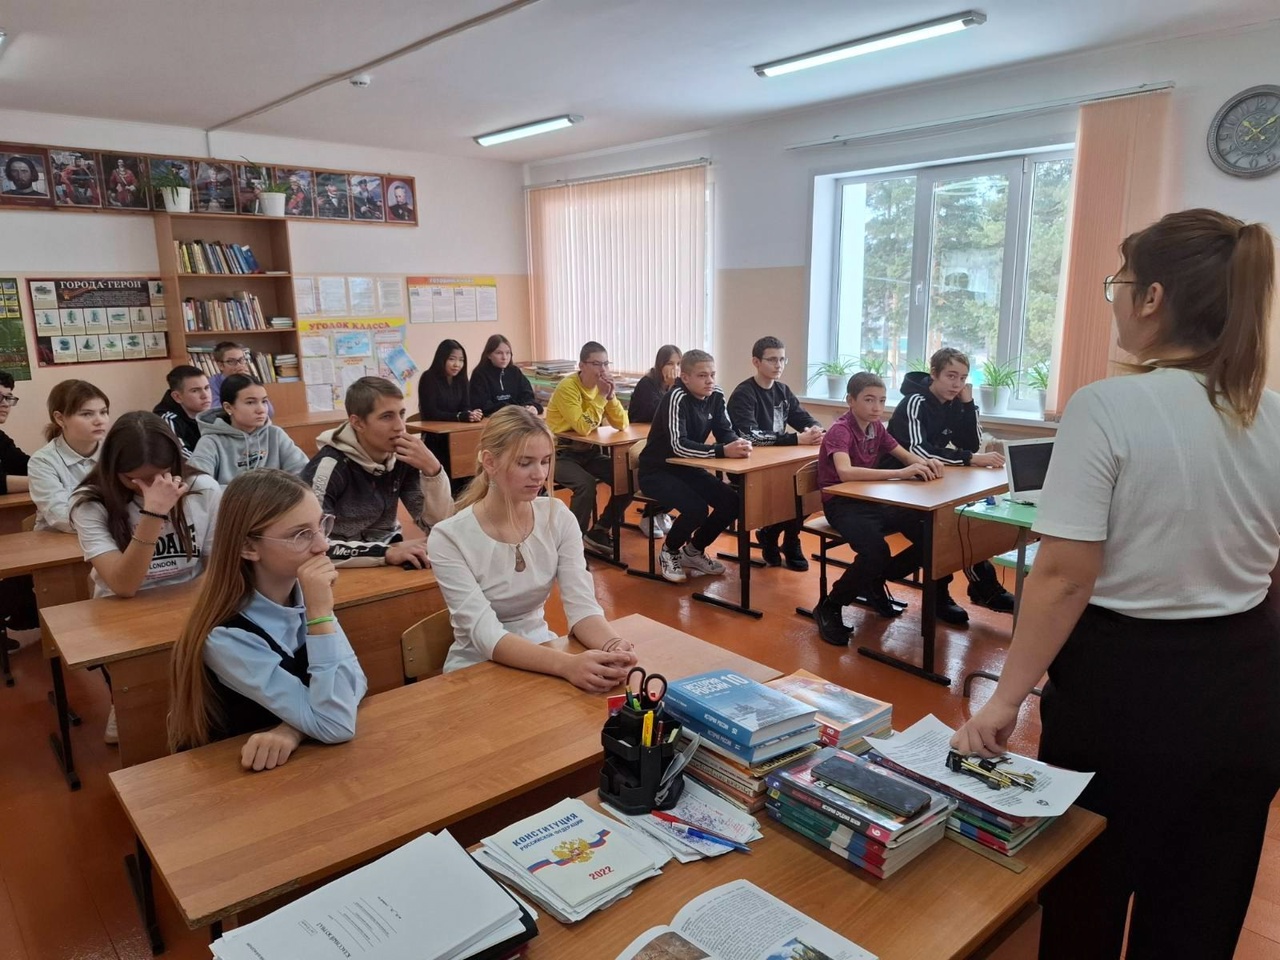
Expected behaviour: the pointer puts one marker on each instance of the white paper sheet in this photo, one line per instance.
(442, 308)
(317, 370)
(304, 295)
(464, 304)
(333, 296)
(315, 346)
(487, 304)
(362, 296)
(390, 297)
(319, 396)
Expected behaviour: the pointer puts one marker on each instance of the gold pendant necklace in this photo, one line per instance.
(519, 560)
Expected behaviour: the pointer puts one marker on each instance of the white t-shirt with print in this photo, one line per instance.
(169, 564)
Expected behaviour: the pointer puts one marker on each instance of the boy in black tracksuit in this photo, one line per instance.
(761, 408)
(17, 595)
(937, 418)
(188, 396)
(692, 409)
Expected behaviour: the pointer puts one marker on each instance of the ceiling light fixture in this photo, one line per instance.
(527, 130)
(880, 41)
(4, 37)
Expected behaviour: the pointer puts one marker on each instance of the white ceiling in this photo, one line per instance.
(635, 69)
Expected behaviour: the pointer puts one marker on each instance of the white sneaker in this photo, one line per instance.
(652, 523)
(697, 562)
(671, 567)
(111, 735)
(664, 523)
(24, 638)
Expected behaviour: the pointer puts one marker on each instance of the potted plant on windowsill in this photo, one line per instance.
(837, 371)
(174, 190)
(998, 381)
(1038, 380)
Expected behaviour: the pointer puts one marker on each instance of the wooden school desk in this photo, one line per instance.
(463, 443)
(765, 482)
(948, 544)
(943, 906)
(304, 428)
(14, 508)
(617, 444)
(425, 756)
(59, 574)
(133, 638)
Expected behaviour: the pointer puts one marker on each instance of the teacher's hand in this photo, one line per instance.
(987, 733)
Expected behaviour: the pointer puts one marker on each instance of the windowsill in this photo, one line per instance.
(1015, 418)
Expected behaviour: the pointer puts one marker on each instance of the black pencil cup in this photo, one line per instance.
(631, 774)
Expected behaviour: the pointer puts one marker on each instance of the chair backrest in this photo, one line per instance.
(808, 493)
(425, 645)
(29, 523)
(413, 418)
(633, 465)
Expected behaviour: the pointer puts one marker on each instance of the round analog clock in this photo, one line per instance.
(1244, 137)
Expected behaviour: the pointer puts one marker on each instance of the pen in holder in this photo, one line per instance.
(631, 777)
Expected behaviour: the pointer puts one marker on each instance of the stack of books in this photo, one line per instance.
(239, 312)
(571, 859)
(847, 822)
(739, 783)
(427, 901)
(212, 257)
(286, 367)
(845, 718)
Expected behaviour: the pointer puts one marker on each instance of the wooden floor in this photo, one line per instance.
(63, 892)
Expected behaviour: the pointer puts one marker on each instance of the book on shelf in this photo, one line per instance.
(738, 919)
(741, 709)
(214, 257)
(240, 311)
(263, 365)
(845, 718)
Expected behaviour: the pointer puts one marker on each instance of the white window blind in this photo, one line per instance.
(621, 261)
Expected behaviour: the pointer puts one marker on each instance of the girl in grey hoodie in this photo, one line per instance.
(239, 436)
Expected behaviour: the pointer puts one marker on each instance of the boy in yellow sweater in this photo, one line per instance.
(581, 402)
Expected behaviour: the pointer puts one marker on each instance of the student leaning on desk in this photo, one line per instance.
(1148, 605)
(263, 651)
(497, 558)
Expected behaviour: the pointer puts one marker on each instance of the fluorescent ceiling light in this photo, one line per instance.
(3, 46)
(872, 44)
(526, 130)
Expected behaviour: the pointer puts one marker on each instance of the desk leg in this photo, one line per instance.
(1019, 575)
(138, 867)
(215, 931)
(4, 658)
(928, 619)
(61, 742)
(744, 566)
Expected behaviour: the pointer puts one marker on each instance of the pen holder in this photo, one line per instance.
(632, 773)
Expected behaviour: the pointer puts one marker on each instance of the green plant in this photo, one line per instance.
(918, 365)
(874, 363)
(835, 367)
(996, 374)
(167, 178)
(1038, 376)
(258, 173)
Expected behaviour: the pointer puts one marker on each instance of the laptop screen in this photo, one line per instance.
(1028, 465)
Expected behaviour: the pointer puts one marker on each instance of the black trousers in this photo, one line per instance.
(1180, 719)
(707, 506)
(18, 604)
(865, 525)
(580, 467)
(789, 530)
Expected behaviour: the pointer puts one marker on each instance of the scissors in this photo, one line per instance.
(643, 694)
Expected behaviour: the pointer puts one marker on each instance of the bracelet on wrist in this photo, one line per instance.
(151, 513)
(145, 543)
(316, 621)
(610, 644)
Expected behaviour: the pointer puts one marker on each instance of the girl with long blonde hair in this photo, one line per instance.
(262, 647)
(498, 556)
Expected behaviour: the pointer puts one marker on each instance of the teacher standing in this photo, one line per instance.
(1149, 604)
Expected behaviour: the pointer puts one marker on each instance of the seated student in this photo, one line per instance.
(18, 616)
(443, 393)
(262, 648)
(648, 393)
(850, 451)
(692, 410)
(497, 382)
(232, 358)
(498, 557)
(761, 408)
(238, 437)
(581, 402)
(366, 468)
(188, 396)
(79, 416)
(938, 418)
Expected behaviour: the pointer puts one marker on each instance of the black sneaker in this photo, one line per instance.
(10, 645)
(794, 558)
(769, 551)
(879, 600)
(995, 597)
(831, 626)
(599, 542)
(951, 612)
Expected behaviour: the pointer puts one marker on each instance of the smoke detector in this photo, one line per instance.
(360, 80)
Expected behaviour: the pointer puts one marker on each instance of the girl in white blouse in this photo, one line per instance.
(1149, 604)
(498, 556)
(79, 415)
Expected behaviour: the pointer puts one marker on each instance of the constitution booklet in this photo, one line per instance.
(739, 921)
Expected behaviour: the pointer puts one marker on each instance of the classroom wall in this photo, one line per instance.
(762, 193)
(471, 216)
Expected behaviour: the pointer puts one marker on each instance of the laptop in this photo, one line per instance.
(1026, 462)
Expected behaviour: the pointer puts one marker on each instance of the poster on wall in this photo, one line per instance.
(98, 320)
(338, 351)
(14, 358)
(453, 300)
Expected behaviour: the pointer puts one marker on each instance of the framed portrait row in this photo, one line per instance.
(66, 178)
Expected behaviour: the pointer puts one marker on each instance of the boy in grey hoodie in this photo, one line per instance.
(237, 436)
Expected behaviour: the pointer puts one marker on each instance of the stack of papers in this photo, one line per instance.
(424, 901)
(571, 859)
(701, 809)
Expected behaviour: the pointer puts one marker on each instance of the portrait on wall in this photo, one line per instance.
(332, 202)
(366, 197)
(159, 167)
(77, 180)
(250, 181)
(401, 203)
(215, 187)
(299, 200)
(124, 182)
(24, 176)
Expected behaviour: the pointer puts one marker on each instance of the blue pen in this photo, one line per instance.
(725, 841)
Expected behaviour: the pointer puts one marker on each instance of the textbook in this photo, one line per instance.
(718, 742)
(861, 852)
(844, 717)
(742, 710)
(738, 920)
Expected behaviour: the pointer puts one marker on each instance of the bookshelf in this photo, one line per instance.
(268, 237)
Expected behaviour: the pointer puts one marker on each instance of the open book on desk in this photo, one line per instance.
(739, 921)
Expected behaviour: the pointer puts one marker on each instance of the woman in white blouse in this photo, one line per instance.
(79, 415)
(1149, 604)
(498, 556)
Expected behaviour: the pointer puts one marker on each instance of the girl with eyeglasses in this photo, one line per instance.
(262, 650)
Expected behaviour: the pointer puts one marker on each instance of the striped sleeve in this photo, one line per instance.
(916, 440)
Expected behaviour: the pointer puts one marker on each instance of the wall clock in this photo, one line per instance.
(1244, 137)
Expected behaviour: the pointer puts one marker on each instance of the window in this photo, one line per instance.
(966, 256)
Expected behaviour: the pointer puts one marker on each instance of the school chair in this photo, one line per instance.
(638, 497)
(424, 646)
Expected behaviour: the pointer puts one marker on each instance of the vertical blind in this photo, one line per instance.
(621, 261)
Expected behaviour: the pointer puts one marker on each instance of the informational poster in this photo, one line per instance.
(13, 335)
(453, 300)
(338, 351)
(96, 320)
